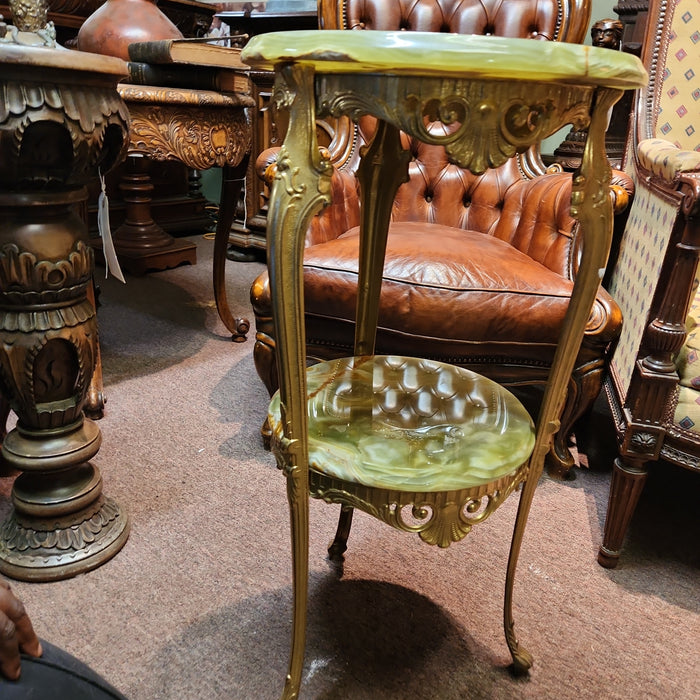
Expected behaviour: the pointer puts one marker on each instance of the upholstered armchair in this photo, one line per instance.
(479, 268)
(654, 379)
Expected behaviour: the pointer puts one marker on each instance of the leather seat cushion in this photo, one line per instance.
(484, 291)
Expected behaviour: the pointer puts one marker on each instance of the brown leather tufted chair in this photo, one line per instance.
(479, 268)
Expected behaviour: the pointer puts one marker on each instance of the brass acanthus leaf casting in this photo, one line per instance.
(488, 134)
(438, 518)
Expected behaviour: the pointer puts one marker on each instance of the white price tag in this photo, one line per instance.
(111, 261)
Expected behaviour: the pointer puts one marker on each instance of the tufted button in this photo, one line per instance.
(428, 196)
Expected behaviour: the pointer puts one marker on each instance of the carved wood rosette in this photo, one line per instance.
(59, 125)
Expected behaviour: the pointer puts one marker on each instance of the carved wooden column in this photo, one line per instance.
(61, 120)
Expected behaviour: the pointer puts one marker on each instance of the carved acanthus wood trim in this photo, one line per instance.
(26, 280)
(201, 138)
(95, 119)
(67, 541)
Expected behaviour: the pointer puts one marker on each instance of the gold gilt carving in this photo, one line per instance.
(189, 134)
(486, 132)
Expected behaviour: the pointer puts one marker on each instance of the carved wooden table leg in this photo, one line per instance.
(60, 120)
(232, 182)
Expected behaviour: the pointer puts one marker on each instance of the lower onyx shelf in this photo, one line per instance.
(391, 433)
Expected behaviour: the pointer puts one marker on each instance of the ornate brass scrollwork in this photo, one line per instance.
(496, 119)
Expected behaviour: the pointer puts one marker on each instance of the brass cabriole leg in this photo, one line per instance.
(591, 205)
(384, 166)
(300, 188)
(382, 169)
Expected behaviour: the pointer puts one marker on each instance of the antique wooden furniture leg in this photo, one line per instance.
(63, 119)
(654, 379)
(232, 181)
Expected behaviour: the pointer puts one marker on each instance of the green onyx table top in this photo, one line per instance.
(446, 55)
(410, 424)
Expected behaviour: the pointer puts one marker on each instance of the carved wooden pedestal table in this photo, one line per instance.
(61, 120)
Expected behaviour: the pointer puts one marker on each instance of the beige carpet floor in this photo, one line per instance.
(197, 604)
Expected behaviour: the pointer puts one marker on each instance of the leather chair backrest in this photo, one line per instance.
(554, 20)
(439, 191)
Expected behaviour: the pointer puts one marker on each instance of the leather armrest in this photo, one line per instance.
(265, 164)
(622, 188)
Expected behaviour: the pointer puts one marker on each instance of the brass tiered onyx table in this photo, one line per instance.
(424, 446)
